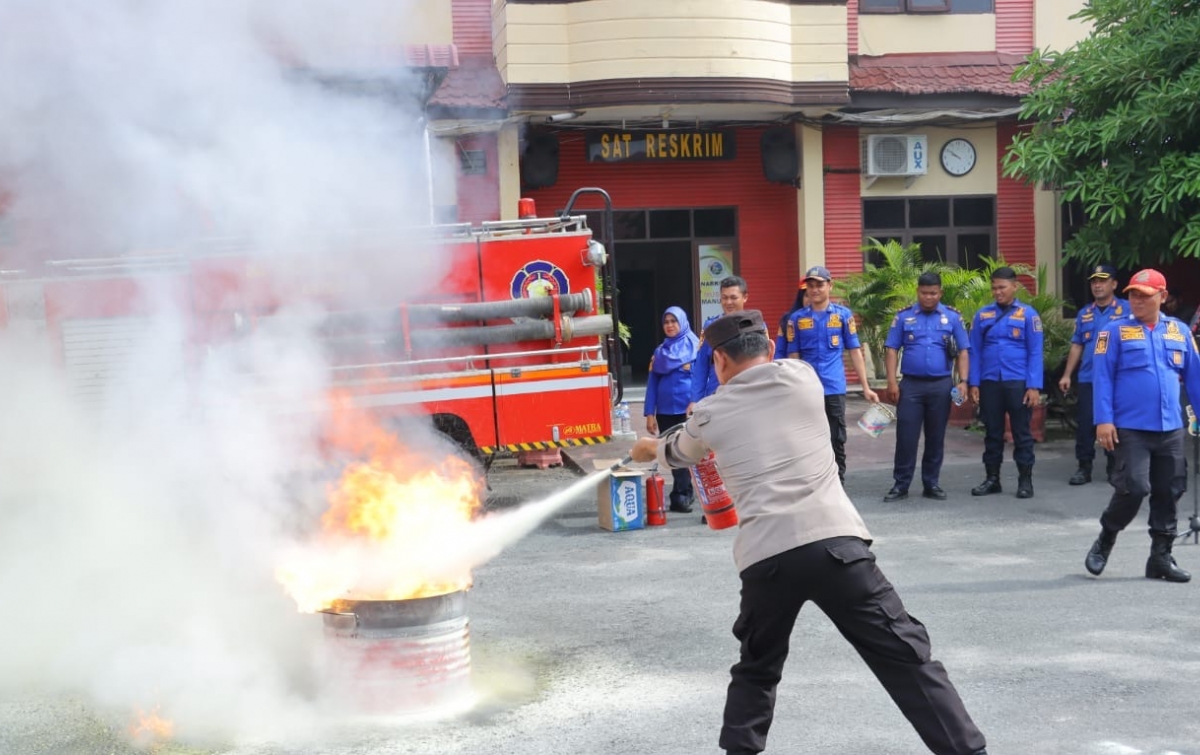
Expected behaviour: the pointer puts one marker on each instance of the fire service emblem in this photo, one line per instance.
(539, 278)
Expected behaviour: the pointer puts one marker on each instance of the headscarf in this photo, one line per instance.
(674, 353)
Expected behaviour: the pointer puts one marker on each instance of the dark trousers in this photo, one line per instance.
(1085, 430)
(840, 576)
(924, 403)
(1148, 463)
(681, 479)
(996, 399)
(835, 412)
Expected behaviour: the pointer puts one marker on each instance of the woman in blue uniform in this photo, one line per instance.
(668, 392)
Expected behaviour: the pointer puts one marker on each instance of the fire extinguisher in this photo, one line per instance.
(714, 498)
(656, 510)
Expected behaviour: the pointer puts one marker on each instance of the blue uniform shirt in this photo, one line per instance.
(670, 393)
(1006, 345)
(1137, 372)
(819, 338)
(924, 337)
(704, 377)
(1090, 321)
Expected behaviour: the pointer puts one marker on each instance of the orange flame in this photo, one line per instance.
(387, 518)
(150, 728)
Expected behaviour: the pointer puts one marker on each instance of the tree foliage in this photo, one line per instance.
(1116, 127)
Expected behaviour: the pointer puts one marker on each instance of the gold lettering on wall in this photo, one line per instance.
(619, 146)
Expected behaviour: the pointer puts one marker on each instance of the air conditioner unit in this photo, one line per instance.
(895, 155)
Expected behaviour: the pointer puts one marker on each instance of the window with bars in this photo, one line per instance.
(926, 6)
(954, 230)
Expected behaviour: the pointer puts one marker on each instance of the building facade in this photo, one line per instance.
(766, 136)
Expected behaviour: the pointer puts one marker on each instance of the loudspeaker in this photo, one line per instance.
(780, 157)
(539, 160)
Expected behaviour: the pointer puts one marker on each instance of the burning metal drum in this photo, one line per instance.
(399, 656)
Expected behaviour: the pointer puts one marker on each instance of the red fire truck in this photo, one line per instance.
(514, 350)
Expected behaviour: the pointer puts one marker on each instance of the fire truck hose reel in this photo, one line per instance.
(537, 306)
(531, 330)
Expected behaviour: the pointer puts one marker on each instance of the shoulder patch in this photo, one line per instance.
(1101, 343)
(791, 329)
(853, 326)
(1037, 324)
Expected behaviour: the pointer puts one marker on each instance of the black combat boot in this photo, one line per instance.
(1024, 481)
(1083, 475)
(1161, 564)
(1097, 557)
(990, 485)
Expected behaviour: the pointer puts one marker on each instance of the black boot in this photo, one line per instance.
(1097, 557)
(990, 485)
(680, 504)
(1024, 481)
(1161, 564)
(1083, 475)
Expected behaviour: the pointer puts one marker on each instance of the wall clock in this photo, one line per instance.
(958, 157)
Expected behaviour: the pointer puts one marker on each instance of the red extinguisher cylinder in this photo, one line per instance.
(714, 498)
(656, 509)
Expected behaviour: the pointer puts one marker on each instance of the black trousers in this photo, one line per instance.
(1148, 463)
(835, 412)
(996, 399)
(1085, 430)
(681, 479)
(840, 576)
(924, 404)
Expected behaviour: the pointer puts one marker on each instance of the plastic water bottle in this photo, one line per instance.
(624, 423)
(956, 396)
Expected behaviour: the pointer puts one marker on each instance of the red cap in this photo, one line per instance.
(1148, 281)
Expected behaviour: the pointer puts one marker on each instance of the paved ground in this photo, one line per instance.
(590, 642)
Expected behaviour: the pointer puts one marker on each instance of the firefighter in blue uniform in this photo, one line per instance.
(1138, 363)
(1006, 378)
(1090, 321)
(933, 341)
(704, 377)
(818, 333)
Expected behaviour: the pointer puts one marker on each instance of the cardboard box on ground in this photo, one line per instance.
(621, 501)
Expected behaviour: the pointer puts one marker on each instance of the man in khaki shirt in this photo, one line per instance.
(799, 539)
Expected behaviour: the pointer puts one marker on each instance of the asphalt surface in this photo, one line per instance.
(586, 641)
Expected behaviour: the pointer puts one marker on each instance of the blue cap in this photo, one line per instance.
(818, 273)
(1103, 271)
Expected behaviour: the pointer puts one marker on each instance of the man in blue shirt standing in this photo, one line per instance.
(704, 377)
(818, 333)
(1006, 379)
(1090, 321)
(933, 339)
(1138, 363)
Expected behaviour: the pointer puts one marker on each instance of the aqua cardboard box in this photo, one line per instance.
(621, 501)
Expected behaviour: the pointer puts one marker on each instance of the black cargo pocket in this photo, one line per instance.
(914, 640)
(851, 551)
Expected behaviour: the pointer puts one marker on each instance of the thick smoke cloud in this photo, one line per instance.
(138, 530)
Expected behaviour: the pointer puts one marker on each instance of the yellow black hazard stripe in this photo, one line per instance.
(545, 445)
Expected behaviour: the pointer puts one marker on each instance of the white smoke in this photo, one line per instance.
(136, 541)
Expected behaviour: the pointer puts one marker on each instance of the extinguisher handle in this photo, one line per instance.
(623, 462)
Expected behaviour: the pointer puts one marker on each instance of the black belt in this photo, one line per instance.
(926, 377)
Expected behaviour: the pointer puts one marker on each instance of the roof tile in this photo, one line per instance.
(938, 73)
